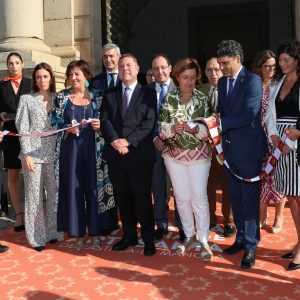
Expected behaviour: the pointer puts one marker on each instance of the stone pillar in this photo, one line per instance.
(22, 30)
(21, 26)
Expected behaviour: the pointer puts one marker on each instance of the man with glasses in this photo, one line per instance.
(216, 174)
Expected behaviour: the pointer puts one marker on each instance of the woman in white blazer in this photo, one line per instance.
(37, 157)
(282, 113)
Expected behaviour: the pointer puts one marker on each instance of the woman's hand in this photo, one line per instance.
(190, 130)
(286, 149)
(292, 133)
(29, 164)
(96, 124)
(178, 127)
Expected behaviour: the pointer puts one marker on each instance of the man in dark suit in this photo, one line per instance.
(109, 78)
(244, 145)
(216, 173)
(163, 84)
(128, 117)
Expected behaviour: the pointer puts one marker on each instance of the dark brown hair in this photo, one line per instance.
(83, 66)
(48, 68)
(13, 54)
(260, 58)
(186, 64)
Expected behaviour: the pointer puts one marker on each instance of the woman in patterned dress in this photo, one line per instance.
(37, 157)
(85, 191)
(188, 154)
(282, 113)
(264, 65)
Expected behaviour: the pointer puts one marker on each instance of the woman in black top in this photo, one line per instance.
(11, 88)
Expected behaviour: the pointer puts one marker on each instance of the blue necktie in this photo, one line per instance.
(230, 88)
(161, 96)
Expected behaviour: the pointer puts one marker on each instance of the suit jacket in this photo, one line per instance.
(171, 86)
(9, 100)
(137, 126)
(244, 142)
(99, 82)
(32, 117)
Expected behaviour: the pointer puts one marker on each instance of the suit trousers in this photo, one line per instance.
(40, 216)
(132, 189)
(217, 176)
(245, 200)
(190, 189)
(159, 189)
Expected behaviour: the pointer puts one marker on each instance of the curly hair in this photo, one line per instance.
(291, 48)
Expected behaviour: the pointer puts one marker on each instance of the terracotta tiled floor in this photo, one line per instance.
(61, 272)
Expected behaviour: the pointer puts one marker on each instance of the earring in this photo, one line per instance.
(87, 84)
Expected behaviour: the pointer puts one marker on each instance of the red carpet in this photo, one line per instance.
(61, 272)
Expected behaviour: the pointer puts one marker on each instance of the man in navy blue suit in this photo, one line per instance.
(109, 78)
(244, 145)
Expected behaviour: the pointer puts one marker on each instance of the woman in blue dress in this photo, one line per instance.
(85, 192)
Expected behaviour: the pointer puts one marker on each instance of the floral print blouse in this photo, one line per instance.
(185, 148)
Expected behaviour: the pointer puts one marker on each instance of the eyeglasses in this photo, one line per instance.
(212, 70)
(269, 67)
(160, 68)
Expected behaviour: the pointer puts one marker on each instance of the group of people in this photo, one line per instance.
(118, 141)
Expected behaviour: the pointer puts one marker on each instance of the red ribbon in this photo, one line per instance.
(14, 79)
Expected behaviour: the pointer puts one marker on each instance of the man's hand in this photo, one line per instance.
(286, 149)
(275, 140)
(159, 144)
(121, 145)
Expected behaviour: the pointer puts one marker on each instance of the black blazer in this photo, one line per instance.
(9, 100)
(137, 126)
(99, 82)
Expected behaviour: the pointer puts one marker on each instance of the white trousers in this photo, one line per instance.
(40, 216)
(190, 190)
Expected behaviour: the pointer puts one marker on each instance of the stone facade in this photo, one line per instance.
(53, 31)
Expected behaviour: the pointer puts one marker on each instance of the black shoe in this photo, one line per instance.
(3, 213)
(159, 233)
(248, 260)
(292, 266)
(182, 235)
(104, 232)
(235, 248)
(212, 226)
(288, 255)
(229, 230)
(149, 249)
(19, 228)
(39, 248)
(53, 241)
(124, 244)
(3, 248)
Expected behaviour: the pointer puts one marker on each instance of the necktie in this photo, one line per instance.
(161, 95)
(230, 88)
(125, 101)
(112, 80)
(213, 98)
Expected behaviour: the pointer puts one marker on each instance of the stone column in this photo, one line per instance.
(21, 26)
(22, 30)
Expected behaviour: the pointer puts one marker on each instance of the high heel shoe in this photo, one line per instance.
(81, 243)
(263, 222)
(292, 266)
(188, 244)
(19, 228)
(96, 242)
(288, 255)
(39, 248)
(277, 227)
(205, 252)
